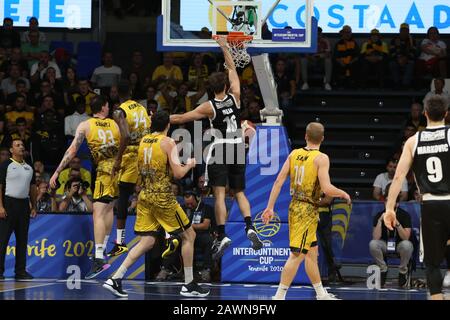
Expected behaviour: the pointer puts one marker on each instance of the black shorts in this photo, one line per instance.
(227, 165)
(435, 230)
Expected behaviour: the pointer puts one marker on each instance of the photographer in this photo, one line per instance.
(75, 198)
(46, 198)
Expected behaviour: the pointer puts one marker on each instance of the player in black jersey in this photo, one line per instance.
(428, 154)
(226, 155)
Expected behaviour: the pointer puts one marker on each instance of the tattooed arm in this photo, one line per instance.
(71, 151)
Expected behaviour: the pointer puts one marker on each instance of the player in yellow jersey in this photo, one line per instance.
(134, 123)
(102, 135)
(308, 171)
(157, 206)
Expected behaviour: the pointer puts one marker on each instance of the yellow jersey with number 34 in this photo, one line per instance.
(103, 139)
(303, 173)
(153, 165)
(138, 123)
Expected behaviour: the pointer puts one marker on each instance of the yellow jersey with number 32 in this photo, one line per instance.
(303, 173)
(138, 123)
(103, 139)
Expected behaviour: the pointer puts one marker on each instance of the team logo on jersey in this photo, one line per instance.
(267, 230)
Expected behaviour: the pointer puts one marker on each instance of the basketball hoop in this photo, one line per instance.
(237, 45)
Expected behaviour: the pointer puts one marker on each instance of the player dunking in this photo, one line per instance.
(134, 123)
(308, 171)
(102, 135)
(157, 206)
(228, 149)
(428, 154)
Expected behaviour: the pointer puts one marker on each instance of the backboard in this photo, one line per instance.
(276, 25)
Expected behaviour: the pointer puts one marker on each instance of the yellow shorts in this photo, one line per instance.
(105, 188)
(129, 168)
(303, 221)
(159, 210)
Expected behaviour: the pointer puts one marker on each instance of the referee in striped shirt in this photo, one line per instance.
(17, 204)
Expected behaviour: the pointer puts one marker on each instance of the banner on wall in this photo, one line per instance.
(58, 241)
(332, 15)
(72, 14)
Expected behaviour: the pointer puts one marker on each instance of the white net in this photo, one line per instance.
(238, 50)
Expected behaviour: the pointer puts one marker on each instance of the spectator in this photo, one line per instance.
(75, 198)
(64, 176)
(150, 97)
(22, 133)
(403, 53)
(70, 84)
(40, 169)
(33, 27)
(19, 110)
(176, 188)
(56, 84)
(46, 89)
(248, 96)
(253, 113)
(433, 55)
(168, 72)
(248, 77)
(374, 54)
(21, 90)
(346, 55)
(198, 72)
(383, 179)
(202, 189)
(85, 91)
(439, 85)
(286, 85)
(4, 154)
(106, 75)
(322, 58)
(16, 58)
(46, 199)
(8, 85)
(4, 137)
(416, 117)
(135, 86)
(396, 241)
(9, 38)
(39, 68)
(32, 49)
(182, 103)
(48, 103)
(71, 122)
(48, 139)
(200, 215)
(152, 106)
(138, 66)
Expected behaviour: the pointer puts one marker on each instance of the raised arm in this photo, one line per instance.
(71, 152)
(322, 163)
(235, 86)
(202, 111)
(278, 184)
(403, 167)
(119, 118)
(179, 170)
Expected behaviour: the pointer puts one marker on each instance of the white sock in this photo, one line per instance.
(188, 275)
(120, 239)
(320, 290)
(99, 251)
(120, 273)
(281, 292)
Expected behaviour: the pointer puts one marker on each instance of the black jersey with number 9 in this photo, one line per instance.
(431, 164)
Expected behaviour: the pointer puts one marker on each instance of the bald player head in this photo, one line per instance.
(314, 133)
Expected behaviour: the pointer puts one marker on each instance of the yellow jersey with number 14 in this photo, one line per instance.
(103, 141)
(303, 173)
(138, 123)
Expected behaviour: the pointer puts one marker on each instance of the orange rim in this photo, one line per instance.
(235, 37)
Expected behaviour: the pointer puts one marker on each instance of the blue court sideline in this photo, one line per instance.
(52, 289)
